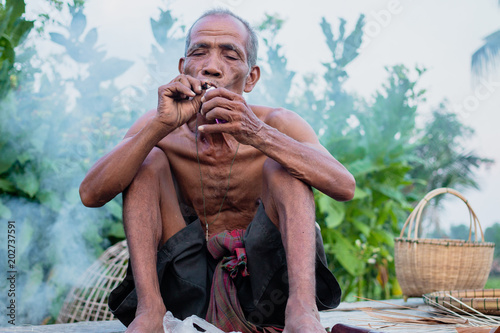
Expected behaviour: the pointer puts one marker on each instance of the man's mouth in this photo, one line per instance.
(208, 85)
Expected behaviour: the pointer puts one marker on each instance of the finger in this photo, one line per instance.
(196, 102)
(220, 114)
(190, 82)
(222, 92)
(176, 89)
(212, 128)
(207, 106)
(195, 84)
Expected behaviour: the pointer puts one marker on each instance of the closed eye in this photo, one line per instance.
(231, 55)
(197, 53)
(197, 49)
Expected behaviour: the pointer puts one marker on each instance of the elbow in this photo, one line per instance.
(87, 197)
(347, 191)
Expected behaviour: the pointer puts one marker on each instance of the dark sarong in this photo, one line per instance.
(224, 309)
(185, 272)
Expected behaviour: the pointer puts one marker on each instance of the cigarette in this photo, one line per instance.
(207, 86)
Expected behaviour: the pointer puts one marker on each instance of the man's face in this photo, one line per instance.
(217, 53)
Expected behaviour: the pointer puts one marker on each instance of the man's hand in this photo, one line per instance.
(241, 122)
(179, 100)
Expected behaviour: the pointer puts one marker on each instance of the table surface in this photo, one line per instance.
(347, 313)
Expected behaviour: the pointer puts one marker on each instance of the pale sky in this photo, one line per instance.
(439, 35)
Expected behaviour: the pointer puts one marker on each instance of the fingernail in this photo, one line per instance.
(201, 128)
(199, 88)
(203, 99)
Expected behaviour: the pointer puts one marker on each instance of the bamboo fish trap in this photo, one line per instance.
(486, 301)
(428, 265)
(88, 300)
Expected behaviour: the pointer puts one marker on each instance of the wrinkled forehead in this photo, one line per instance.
(224, 27)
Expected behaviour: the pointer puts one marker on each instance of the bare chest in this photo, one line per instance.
(222, 183)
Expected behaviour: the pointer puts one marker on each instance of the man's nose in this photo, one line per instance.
(212, 67)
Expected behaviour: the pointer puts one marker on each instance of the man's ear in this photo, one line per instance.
(252, 79)
(181, 65)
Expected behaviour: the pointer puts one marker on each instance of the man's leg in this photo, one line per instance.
(151, 215)
(289, 203)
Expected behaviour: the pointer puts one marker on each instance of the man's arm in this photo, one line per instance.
(178, 101)
(283, 136)
(112, 173)
(289, 140)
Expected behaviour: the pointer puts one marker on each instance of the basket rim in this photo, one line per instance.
(447, 293)
(444, 241)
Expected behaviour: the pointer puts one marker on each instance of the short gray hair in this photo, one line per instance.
(252, 41)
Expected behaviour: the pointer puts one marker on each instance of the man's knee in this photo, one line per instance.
(282, 192)
(277, 178)
(274, 174)
(154, 166)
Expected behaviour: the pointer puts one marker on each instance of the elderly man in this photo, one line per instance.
(217, 203)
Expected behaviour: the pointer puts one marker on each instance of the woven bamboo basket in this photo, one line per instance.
(486, 301)
(88, 300)
(428, 265)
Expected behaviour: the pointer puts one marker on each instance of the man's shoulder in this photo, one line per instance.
(276, 117)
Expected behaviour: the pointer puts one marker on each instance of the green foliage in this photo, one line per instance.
(50, 137)
(377, 151)
(484, 59)
(274, 70)
(492, 283)
(391, 159)
(13, 30)
(492, 234)
(442, 159)
(162, 63)
(460, 231)
(17, 175)
(98, 121)
(374, 142)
